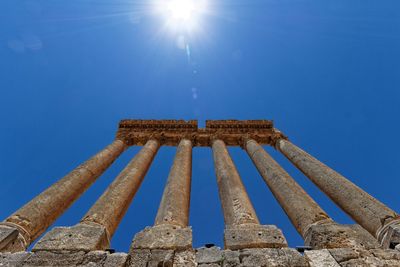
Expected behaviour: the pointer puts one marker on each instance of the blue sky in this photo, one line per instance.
(327, 72)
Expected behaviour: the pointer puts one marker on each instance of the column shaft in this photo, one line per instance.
(362, 207)
(301, 209)
(38, 214)
(112, 205)
(236, 204)
(175, 202)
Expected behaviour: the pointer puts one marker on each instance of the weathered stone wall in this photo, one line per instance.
(208, 257)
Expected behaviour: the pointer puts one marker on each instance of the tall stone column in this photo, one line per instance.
(235, 202)
(301, 209)
(370, 213)
(175, 202)
(317, 228)
(170, 230)
(100, 222)
(36, 216)
(242, 227)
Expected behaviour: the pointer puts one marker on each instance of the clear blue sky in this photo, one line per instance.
(327, 72)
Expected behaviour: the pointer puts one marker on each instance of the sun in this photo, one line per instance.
(181, 9)
(182, 15)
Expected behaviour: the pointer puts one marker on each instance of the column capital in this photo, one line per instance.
(243, 141)
(187, 140)
(276, 136)
(213, 138)
(122, 141)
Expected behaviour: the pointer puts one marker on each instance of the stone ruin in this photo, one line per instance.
(372, 241)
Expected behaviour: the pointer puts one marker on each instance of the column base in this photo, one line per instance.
(390, 235)
(333, 235)
(81, 237)
(163, 237)
(253, 236)
(11, 239)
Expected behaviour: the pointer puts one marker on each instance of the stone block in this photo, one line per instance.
(230, 258)
(253, 236)
(367, 262)
(161, 257)
(83, 237)
(333, 235)
(373, 257)
(209, 265)
(283, 257)
(116, 260)
(11, 240)
(59, 258)
(163, 237)
(386, 254)
(185, 258)
(139, 257)
(150, 258)
(318, 258)
(344, 254)
(13, 259)
(97, 256)
(209, 255)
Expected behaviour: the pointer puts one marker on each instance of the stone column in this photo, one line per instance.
(100, 222)
(301, 209)
(370, 213)
(170, 230)
(235, 202)
(37, 215)
(175, 202)
(242, 228)
(316, 227)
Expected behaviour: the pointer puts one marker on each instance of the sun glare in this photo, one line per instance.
(182, 14)
(181, 9)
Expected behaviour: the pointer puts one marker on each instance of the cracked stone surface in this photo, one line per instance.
(81, 237)
(333, 235)
(185, 258)
(64, 258)
(163, 237)
(208, 257)
(317, 258)
(253, 236)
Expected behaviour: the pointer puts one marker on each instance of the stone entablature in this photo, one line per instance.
(170, 132)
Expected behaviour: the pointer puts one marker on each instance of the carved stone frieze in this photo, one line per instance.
(170, 132)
